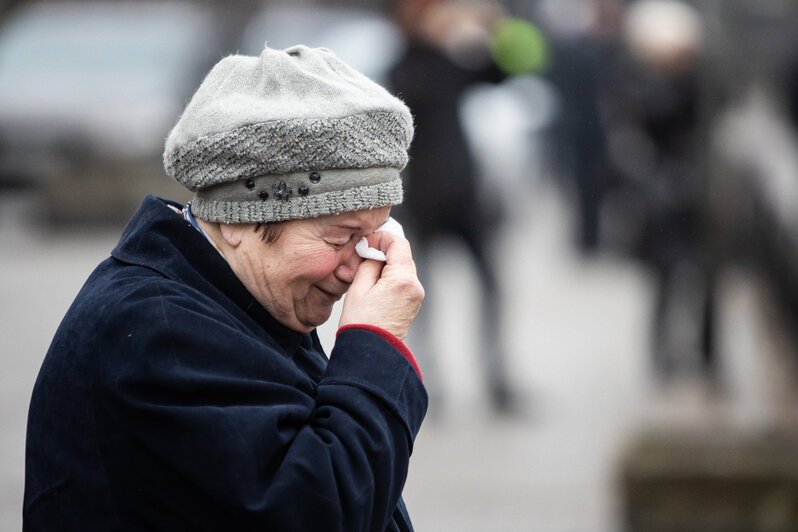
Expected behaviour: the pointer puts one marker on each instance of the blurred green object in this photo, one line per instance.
(518, 47)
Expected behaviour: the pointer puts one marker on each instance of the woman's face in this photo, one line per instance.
(299, 277)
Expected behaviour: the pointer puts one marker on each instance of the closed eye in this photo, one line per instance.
(340, 244)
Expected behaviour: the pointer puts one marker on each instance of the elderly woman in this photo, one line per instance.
(186, 388)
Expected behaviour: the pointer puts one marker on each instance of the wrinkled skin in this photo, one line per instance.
(313, 264)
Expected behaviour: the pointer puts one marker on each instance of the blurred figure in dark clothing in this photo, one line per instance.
(583, 38)
(655, 141)
(447, 52)
(442, 188)
(792, 92)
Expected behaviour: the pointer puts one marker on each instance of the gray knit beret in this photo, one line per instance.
(291, 134)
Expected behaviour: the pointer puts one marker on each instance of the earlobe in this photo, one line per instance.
(231, 233)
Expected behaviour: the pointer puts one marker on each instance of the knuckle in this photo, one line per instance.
(413, 291)
(409, 284)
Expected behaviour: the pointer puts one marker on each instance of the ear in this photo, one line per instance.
(232, 234)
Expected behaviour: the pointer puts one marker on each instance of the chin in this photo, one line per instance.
(318, 319)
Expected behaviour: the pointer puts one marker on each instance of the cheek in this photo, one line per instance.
(317, 266)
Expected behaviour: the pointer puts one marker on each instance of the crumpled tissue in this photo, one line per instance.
(363, 249)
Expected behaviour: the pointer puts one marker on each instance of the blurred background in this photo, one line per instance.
(603, 202)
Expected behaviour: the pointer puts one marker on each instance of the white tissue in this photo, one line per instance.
(363, 249)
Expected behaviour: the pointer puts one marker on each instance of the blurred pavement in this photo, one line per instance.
(577, 337)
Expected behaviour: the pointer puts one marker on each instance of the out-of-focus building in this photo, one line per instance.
(361, 35)
(88, 92)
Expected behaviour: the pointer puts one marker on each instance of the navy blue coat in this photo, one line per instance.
(171, 400)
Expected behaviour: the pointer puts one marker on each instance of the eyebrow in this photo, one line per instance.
(356, 226)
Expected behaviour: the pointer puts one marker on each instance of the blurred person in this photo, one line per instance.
(448, 50)
(656, 146)
(186, 387)
(583, 35)
(791, 88)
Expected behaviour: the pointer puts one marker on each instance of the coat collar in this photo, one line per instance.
(162, 240)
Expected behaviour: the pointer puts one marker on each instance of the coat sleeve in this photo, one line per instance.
(206, 426)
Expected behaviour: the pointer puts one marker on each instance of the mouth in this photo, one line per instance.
(332, 296)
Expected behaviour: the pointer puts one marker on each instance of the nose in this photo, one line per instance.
(345, 271)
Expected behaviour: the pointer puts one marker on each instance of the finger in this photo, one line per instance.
(396, 248)
(367, 275)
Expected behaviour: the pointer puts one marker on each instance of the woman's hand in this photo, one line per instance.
(387, 295)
